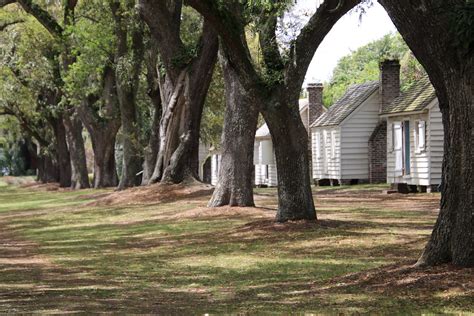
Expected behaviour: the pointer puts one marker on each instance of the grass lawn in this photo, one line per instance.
(85, 251)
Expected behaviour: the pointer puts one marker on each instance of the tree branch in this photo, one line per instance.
(227, 20)
(164, 20)
(311, 36)
(43, 17)
(7, 24)
(269, 44)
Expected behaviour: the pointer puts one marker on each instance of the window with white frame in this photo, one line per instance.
(333, 144)
(420, 136)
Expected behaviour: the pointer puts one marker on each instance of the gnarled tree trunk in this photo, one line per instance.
(235, 185)
(153, 91)
(290, 141)
(451, 71)
(128, 65)
(47, 169)
(79, 174)
(183, 89)
(62, 151)
(105, 172)
(103, 131)
(452, 239)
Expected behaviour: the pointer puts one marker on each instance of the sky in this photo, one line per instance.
(347, 35)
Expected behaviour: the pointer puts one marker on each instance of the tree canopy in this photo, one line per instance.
(362, 65)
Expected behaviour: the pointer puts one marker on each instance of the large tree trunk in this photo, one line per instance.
(103, 130)
(451, 71)
(290, 141)
(153, 91)
(131, 147)
(105, 172)
(183, 90)
(235, 185)
(128, 65)
(171, 122)
(62, 151)
(452, 239)
(47, 169)
(79, 174)
(184, 163)
(151, 151)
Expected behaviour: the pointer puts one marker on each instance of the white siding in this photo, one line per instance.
(434, 143)
(215, 166)
(355, 133)
(262, 158)
(327, 165)
(203, 155)
(419, 160)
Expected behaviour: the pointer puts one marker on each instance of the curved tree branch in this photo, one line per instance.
(227, 20)
(7, 24)
(43, 17)
(311, 36)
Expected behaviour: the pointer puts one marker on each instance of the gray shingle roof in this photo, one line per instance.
(416, 98)
(354, 96)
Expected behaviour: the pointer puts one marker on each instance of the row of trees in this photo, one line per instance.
(96, 55)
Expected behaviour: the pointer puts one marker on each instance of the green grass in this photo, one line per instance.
(153, 258)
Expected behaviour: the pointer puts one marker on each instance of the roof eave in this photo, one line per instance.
(404, 113)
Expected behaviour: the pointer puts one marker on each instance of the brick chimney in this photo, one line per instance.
(315, 101)
(389, 81)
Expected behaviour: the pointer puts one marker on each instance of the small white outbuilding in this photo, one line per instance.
(415, 137)
(340, 136)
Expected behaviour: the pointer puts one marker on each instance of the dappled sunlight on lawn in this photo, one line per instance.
(62, 252)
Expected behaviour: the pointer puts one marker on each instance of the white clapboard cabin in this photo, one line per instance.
(340, 136)
(415, 138)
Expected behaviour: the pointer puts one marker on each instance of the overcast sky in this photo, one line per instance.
(346, 36)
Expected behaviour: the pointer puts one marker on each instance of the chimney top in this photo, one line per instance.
(389, 82)
(389, 62)
(314, 85)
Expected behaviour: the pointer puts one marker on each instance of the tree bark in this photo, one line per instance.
(79, 174)
(183, 89)
(105, 172)
(128, 65)
(184, 163)
(103, 129)
(235, 184)
(290, 141)
(452, 239)
(150, 152)
(429, 30)
(62, 152)
(48, 171)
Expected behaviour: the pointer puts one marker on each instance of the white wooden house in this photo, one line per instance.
(415, 137)
(340, 136)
